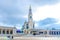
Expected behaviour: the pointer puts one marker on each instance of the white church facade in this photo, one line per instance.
(30, 24)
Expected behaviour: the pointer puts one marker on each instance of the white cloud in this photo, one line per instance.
(42, 12)
(26, 16)
(6, 25)
(1, 16)
(36, 24)
(18, 26)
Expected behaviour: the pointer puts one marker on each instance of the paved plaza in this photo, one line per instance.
(32, 38)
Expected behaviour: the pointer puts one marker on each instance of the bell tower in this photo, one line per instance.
(30, 14)
(30, 19)
(29, 24)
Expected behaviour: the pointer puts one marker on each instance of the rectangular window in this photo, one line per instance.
(40, 32)
(59, 32)
(45, 32)
(54, 32)
(50, 32)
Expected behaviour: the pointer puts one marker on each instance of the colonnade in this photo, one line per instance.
(6, 31)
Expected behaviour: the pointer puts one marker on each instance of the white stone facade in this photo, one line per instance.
(7, 31)
(30, 24)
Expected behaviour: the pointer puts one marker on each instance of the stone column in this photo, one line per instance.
(14, 31)
(29, 32)
(9, 31)
(1, 31)
(48, 33)
(5, 31)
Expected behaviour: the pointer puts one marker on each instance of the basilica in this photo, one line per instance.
(28, 29)
(30, 24)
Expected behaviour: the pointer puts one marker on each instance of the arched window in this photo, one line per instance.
(33, 25)
(0, 31)
(11, 32)
(3, 31)
(7, 32)
(27, 26)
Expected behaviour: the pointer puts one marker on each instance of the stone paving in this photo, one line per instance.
(33, 38)
(37, 38)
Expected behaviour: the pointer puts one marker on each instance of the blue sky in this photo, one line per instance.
(45, 13)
